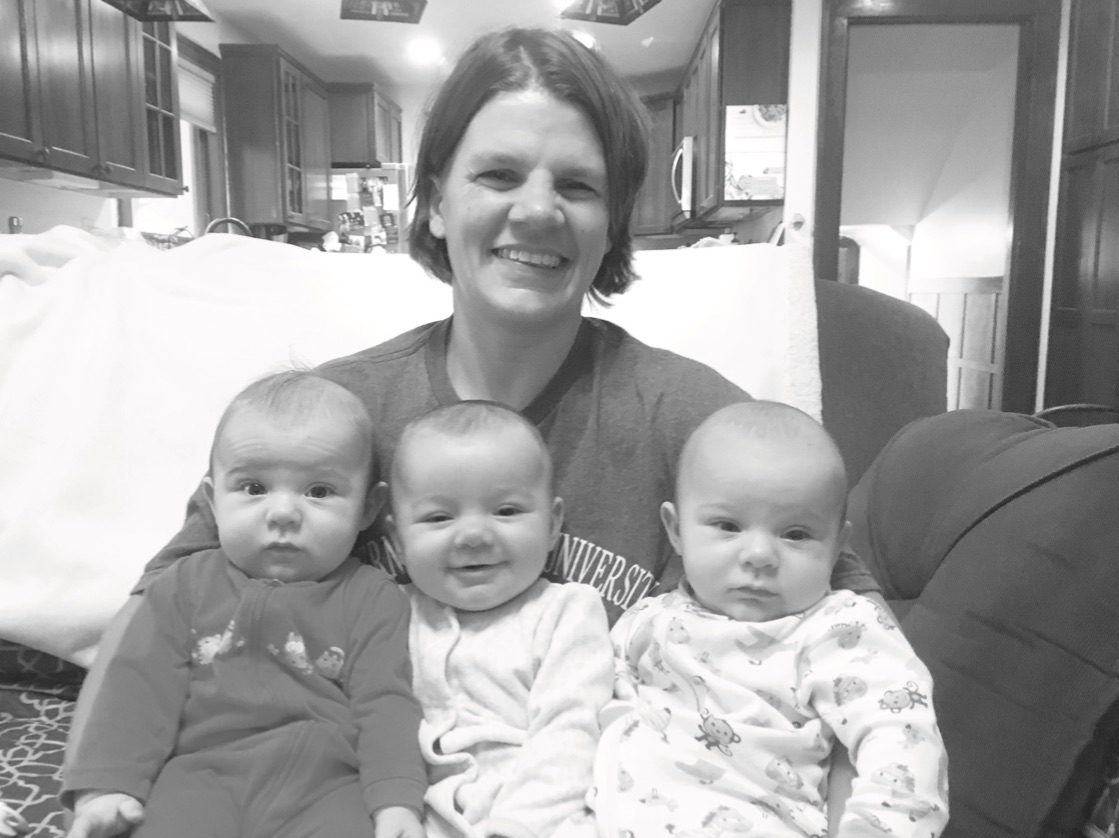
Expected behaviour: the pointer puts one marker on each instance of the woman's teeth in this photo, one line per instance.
(539, 260)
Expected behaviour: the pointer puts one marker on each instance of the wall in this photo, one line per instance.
(43, 207)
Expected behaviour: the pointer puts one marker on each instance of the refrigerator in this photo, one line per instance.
(369, 208)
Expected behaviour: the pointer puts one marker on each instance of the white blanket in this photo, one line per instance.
(115, 363)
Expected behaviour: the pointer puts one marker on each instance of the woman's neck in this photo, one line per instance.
(511, 366)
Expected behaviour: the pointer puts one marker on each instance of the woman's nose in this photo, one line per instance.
(536, 202)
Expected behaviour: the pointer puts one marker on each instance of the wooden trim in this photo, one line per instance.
(1039, 22)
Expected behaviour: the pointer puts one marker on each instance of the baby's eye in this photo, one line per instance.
(797, 534)
(508, 511)
(252, 487)
(320, 492)
(435, 518)
(725, 526)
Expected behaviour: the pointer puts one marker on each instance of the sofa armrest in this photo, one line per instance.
(883, 363)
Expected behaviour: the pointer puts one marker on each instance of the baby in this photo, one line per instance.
(511, 670)
(732, 689)
(263, 689)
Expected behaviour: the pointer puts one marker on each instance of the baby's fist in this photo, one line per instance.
(397, 822)
(99, 815)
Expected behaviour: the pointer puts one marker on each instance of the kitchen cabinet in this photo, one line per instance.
(742, 58)
(365, 126)
(277, 137)
(1082, 363)
(1092, 94)
(74, 100)
(652, 213)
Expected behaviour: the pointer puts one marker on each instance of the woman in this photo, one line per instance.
(529, 165)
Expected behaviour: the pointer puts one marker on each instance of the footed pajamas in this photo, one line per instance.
(511, 698)
(250, 707)
(726, 728)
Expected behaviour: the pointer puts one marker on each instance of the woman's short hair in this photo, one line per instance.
(554, 61)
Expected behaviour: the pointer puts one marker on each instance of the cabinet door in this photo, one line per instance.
(19, 93)
(652, 213)
(162, 169)
(1092, 103)
(65, 95)
(383, 120)
(118, 85)
(709, 158)
(316, 157)
(291, 137)
(352, 125)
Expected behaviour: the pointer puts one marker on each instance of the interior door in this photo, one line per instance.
(1015, 309)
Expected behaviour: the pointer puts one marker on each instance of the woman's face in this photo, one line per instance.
(523, 209)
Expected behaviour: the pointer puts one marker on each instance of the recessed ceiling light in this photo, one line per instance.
(646, 41)
(424, 52)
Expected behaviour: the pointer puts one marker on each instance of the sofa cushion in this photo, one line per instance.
(1003, 532)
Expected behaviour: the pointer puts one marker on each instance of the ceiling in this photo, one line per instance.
(651, 51)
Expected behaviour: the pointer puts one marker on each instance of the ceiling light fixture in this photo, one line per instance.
(155, 11)
(621, 12)
(398, 11)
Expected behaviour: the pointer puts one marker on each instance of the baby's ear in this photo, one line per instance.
(375, 500)
(557, 520)
(671, 521)
(208, 491)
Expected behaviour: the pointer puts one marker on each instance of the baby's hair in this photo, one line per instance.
(767, 420)
(469, 417)
(297, 395)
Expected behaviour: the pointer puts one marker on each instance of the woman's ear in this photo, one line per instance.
(671, 523)
(843, 540)
(435, 211)
(557, 520)
(208, 491)
(375, 500)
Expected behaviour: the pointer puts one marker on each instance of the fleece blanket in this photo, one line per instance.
(117, 359)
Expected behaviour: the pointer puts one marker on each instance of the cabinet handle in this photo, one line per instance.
(676, 159)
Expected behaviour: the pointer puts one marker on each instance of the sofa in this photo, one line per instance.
(871, 367)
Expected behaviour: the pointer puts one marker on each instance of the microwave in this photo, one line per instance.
(683, 180)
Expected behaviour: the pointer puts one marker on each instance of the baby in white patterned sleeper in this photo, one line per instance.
(732, 689)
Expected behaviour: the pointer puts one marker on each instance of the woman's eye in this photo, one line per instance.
(319, 492)
(578, 188)
(499, 178)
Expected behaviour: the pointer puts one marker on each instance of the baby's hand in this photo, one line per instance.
(104, 814)
(397, 822)
(11, 822)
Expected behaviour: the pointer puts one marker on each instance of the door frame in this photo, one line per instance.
(1039, 23)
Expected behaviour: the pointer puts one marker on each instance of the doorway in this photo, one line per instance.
(934, 154)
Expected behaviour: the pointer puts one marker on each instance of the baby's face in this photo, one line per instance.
(473, 516)
(758, 525)
(289, 498)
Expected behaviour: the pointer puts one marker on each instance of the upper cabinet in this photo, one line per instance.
(81, 80)
(732, 104)
(278, 138)
(652, 213)
(1092, 101)
(365, 126)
